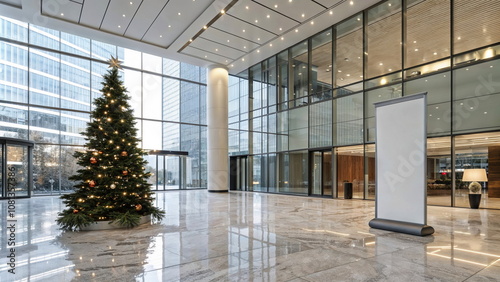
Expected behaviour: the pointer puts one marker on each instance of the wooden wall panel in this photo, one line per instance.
(494, 171)
(350, 168)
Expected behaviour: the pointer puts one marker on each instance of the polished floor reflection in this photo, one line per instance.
(241, 236)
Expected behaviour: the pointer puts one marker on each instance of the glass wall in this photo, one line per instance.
(384, 52)
(46, 95)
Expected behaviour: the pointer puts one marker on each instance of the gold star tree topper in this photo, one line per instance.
(114, 63)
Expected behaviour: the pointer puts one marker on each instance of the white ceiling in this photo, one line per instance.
(192, 31)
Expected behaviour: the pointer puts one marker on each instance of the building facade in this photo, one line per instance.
(302, 122)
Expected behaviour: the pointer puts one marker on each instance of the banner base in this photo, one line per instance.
(402, 227)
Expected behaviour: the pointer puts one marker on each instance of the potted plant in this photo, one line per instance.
(474, 195)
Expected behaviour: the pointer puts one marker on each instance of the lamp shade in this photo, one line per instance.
(476, 174)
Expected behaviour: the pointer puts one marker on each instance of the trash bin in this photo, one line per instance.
(347, 190)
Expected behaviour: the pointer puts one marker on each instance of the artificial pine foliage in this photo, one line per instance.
(112, 184)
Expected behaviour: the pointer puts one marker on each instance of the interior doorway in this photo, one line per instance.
(350, 172)
(321, 165)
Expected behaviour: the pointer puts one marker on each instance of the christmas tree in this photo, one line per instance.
(111, 186)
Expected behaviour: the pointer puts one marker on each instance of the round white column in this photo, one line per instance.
(217, 134)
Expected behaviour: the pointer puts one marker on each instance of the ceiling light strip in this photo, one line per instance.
(212, 21)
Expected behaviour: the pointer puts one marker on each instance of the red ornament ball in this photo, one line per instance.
(124, 154)
(93, 160)
(138, 207)
(75, 211)
(92, 183)
(125, 172)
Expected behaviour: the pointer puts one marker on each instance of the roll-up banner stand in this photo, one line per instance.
(401, 158)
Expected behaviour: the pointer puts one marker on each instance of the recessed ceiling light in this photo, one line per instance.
(246, 7)
(459, 38)
(179, 13)
(190, 40)
(222, 11)
(227, 61)
(416, 49)
(258, 39)
(271, 45)
(228, 40)
(206, 56)
(290, 1)
(303, 15)
(258, 51)
(339, 71)
(435, 53)
(281, 29)
(123, 15)
(119, 26)
(161, 35)
(359, 19)
(256, 21)
(381, 64)
(205, 27)
(414, 41)
(62, 14)
(243, 59)
(232, 65)
(312, 22)
(390, 69)
(131, 3)
(390, 4)
(243, 30)
(216, 50)
(331, 12)
(282, 38)
(276, 6)
(296, 30)
(268, 16)
(352, 2)
(244, 47)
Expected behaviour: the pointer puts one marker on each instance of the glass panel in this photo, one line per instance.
(273, 173)
(439, 171)
(478, 151)
(421, 45)
(282, 128)
(348, 115)
(257, 163)
(13, 121)
(372, 97)
(75, 44)
(17, 169)
(475, 24)
(44, 125)
(171, 67)
(476, 97)
(171, 99)
(130, 58)
(320, 122)
(72, 124)
(152, 96)
(438, 101)
(190, 102)
(75, 83)
(133, 82)
(152, 63)
(317, 171)
(298, 75)
(13, 29)
(370, 184)
(348, 67)
(68, 167)
(283, 78)
(98, 70)
(14, 72)
(152, 139)
(44, 75)
(350, 167)
(172, 173)
(298, 128)
(44, 37)
(293, 172)
(321, 66)
(171, 136)
(327, 174)
(383, 33)
(103, 51)
(190, 72)
(269, 77)
(151, 168)
(190, 142)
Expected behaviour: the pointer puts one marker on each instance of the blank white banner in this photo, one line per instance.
(401, 159)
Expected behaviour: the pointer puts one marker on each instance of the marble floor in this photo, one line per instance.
(241, 236)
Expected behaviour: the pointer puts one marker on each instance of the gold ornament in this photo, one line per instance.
(93, 160)
(112, 186)
(138, 207)
(124, 153)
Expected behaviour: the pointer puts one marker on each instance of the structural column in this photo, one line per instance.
(217, 134)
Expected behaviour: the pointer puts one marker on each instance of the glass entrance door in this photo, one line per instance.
(17, 170)
(168, 172)
(321, 174)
